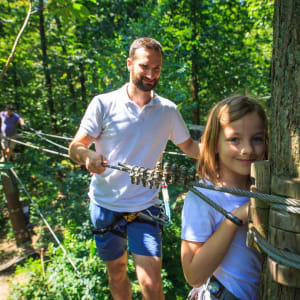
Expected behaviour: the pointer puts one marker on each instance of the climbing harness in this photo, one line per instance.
(161, 219)
(131, 216)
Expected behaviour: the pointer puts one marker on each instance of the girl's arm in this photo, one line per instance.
(200, 260)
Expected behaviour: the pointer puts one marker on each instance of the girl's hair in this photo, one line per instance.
(226, 111)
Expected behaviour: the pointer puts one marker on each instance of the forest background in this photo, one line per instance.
(72, 50)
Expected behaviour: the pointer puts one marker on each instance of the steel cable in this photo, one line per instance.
(279, 255)
(86, 283)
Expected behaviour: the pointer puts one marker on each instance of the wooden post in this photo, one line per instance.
(284, 227)
(283, 233)
(15, 209)
(259, 209)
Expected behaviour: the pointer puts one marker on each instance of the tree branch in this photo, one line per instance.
(11, 56)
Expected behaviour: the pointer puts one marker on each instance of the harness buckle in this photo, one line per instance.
(131, 216)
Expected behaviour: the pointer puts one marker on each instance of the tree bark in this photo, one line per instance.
(195, 81)
(285, 90)
(285, 116)
(17, 84)
(15, 210)
(68, 70)
(46, 64)
(82, 83)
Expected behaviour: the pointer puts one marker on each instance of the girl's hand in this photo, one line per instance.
(242, 212)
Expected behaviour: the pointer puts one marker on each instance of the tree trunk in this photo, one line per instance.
(46, 65)
(284, 122)
(285, 89)
(17, 84)
(82, 83)
(195, 82)
(14, 207)
(68, 70)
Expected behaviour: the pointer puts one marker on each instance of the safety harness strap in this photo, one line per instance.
(133, 217)
(130, 217)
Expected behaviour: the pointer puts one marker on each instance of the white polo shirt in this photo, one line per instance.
(128, 134)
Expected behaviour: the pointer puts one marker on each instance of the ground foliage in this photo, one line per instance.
(63, 202)
(212, 49)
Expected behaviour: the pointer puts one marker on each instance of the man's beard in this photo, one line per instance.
(138, 82)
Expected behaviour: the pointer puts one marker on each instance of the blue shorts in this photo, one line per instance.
(143, 238)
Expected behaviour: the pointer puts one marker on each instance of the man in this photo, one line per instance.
(131, 125)
(9, 123)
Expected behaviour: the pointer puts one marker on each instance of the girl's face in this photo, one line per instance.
(240, 143)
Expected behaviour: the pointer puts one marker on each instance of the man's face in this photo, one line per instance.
(145, 68)
(9, 112)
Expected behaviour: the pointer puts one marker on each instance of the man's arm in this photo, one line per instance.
(21, 122)
(80, 153)
(191, 148)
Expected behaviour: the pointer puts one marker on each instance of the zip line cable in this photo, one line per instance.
(261, 196)
(174, 153)
(86, 283)
(50, 135)
(279, 255)
(154, 177)
(39, 148)
(40, 134)
(293, 205)
(47, 140)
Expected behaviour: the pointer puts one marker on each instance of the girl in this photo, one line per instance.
(214, 254)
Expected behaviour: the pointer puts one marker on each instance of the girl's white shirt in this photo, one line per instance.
(240, 269)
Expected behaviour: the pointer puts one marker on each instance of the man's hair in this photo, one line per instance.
(224, 112)
(9, 107)
(144, 42)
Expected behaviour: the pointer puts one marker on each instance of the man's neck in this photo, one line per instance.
(138, 96)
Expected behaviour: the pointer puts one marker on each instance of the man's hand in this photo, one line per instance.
(94, 163)
(191, 148)
(79, 152)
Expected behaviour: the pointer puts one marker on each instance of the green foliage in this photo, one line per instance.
(224, 45)
(61, 281)
(69, 216)
(220, 47)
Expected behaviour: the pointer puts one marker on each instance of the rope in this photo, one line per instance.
(50, 135)
(261, 196)
(277, 202)
(217, 207)
(47, 140)
(40, 134)
(86, 283)
(291, 209)
(175, 153)
(279, 255)
(39, 148)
